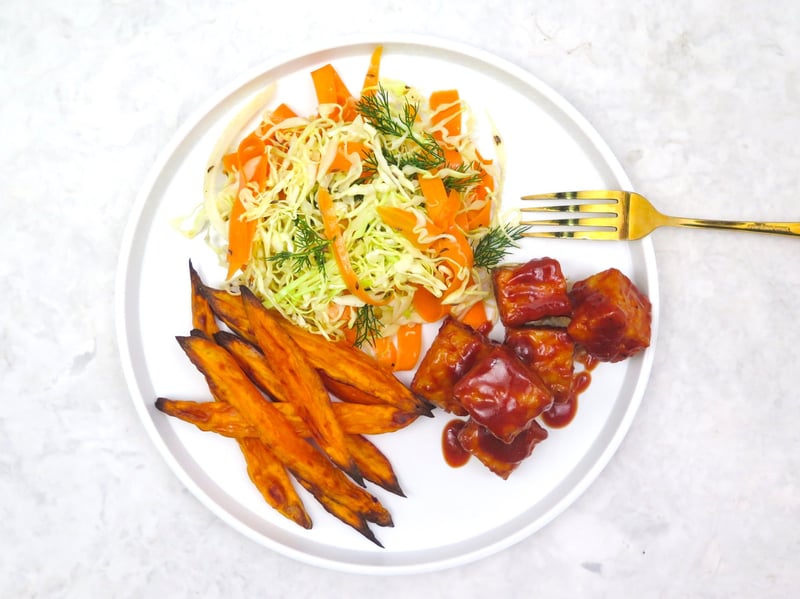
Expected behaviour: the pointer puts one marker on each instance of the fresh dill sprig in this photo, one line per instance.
(367, 325)
(462, 183)
(310, 247)
(493, 246)
(377, 111)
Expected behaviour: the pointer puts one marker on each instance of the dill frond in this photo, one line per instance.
(310, 248)
(497, 242)
(367, 325)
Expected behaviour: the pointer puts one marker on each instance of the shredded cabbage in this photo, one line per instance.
(386, 262)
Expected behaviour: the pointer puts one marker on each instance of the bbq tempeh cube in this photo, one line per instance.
(453, 352)
(550, 351)
(530, 291)
(502, 393)
(611, 317)
(501, 458)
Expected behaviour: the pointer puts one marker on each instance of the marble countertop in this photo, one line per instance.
(700, 101)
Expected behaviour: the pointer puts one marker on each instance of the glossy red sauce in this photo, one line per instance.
(588, 362)
(560, 414)
(454, 454)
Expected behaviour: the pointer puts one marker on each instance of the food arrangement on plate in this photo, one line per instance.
(343, 234)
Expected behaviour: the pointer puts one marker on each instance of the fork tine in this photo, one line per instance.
(605, 208)
(601, 221)
(604, 234)
(591, 194)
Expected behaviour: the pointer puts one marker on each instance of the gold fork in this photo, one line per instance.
(615, 215)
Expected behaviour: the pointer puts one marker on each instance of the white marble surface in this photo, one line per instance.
(699, 100)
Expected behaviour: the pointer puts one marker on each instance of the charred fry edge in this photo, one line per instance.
(202, 314)
(308, 393)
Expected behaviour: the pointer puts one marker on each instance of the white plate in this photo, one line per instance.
(450, 516)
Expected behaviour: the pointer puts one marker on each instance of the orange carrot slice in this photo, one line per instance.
(476, 316)
(330, 89)
(385, 352)
(442, 206)
(251, 165)
(409, 345)
(428, 306)
(373, 72)
(446, 109)
(334, 233)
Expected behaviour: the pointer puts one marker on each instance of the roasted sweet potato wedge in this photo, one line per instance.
(272, 480)
(342, 512)
(374, 466)
(229, 309)
(211, 416)
(349, 365)
(228, 383)
(337, 362)
(224, 419)
(298, 382)
(202, 314)
(347, 392)
(221, 418)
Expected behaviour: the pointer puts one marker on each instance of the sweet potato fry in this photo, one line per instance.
(221, 418)
(374, 466)
(255, 365)
(337, 362)
(202, 315)
(224, 419)
(347, 392)
(229, 309)
(271, 479)
(229, 383)
(305, 389)
(342, 512)
(211, 416)
(346, 364)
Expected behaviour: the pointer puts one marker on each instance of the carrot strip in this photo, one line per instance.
(373, 72)
(406, 221)
(334, 234)
(441, 205)
(476, 316)
(281, 113)
(409, 345)
(385, 352)
(428, 306)
(330, 89)
(341, 161)
(251, 166)
(446, 109)
(324, 84)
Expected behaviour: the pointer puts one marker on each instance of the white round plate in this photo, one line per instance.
(450, 515)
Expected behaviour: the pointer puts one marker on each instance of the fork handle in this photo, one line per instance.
(776, 228)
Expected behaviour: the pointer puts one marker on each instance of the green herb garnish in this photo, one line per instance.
(377, 111)
(310, 247)
(493, 246)
(462, 183)
(368, 326)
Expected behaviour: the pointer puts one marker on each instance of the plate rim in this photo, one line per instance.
(339, 44)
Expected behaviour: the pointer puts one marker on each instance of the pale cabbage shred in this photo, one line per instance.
(385, 262)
